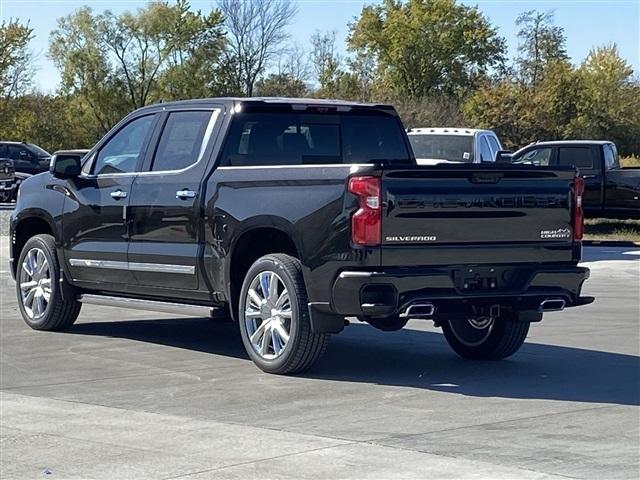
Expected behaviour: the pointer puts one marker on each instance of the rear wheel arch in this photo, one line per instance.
(249, 247)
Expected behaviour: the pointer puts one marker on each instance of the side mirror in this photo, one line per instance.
(504, 156)
(65, 166)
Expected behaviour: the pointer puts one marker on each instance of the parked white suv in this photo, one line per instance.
(446, 145)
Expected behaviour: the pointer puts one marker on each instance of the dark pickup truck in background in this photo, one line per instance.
(610, 191)
(292, 215)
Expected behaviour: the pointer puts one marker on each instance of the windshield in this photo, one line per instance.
(38, 151)
(453, 148)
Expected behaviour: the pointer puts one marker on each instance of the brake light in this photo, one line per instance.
(367, 221)
(578, 213)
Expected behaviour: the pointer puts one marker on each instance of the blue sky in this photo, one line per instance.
(587, 23)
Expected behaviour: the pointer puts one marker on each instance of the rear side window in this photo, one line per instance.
(579, 157)
(264, 139)
(182, 140)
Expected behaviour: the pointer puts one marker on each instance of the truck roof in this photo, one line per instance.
(233, 101)
(572, 142)
(445, 131)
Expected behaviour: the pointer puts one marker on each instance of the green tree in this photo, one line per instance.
(541, 44)
(422, 47)
(280, 85)
(117, 63)
(609, 104)
(350, 79)
(51, 121)
(16, 69)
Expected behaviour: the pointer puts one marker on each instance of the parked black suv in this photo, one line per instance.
(28, 159)
(294, 214)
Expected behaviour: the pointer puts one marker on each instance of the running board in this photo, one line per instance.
(151, 305)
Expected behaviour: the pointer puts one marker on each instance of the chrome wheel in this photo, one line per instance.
(35, 283)
(472, 331)
(267, 315)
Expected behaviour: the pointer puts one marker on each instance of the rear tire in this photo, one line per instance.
(499, 339)
(39, 289)
(274, 318)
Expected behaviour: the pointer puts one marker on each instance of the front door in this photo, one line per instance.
(95, 233)
(586, 159)
(165, 206)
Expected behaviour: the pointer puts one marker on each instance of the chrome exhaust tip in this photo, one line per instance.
(418, 310)
(552, 305)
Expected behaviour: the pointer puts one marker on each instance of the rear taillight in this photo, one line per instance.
(578, 213)
(367, 221)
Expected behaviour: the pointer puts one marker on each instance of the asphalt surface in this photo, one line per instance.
(127, 394)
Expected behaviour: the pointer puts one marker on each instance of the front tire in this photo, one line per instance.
(38, 287)
(486, 340)
(274, 317)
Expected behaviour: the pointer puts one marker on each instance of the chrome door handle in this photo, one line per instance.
(118, 194)
(182, 194)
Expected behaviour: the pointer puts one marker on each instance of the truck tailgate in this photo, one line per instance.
(453, 209)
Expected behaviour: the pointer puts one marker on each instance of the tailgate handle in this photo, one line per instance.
(486, 177)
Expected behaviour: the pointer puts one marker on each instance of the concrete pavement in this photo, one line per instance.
(128, 394)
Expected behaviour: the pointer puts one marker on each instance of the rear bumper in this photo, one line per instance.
(518, 287)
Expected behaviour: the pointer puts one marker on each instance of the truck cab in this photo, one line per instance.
(433, 146)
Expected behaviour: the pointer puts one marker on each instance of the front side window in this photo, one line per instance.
(485, 151)
(610, 157)
(579, 157)
(22, 157)
(123, 152)
(493, 143)
(452, 148)
(537, 156)
(182, 141)
(263, 139)
(40, 152)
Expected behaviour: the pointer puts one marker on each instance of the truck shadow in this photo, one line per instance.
(418, 359)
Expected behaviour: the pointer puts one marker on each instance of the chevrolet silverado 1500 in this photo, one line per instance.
(292, 215)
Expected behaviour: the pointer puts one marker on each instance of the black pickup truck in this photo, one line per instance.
(291, 215)
(609, 190)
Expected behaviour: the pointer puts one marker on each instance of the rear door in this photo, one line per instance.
(587, 159)
(95, 235)
(165, 206)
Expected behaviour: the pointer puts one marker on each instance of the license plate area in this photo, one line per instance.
(473, 280)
